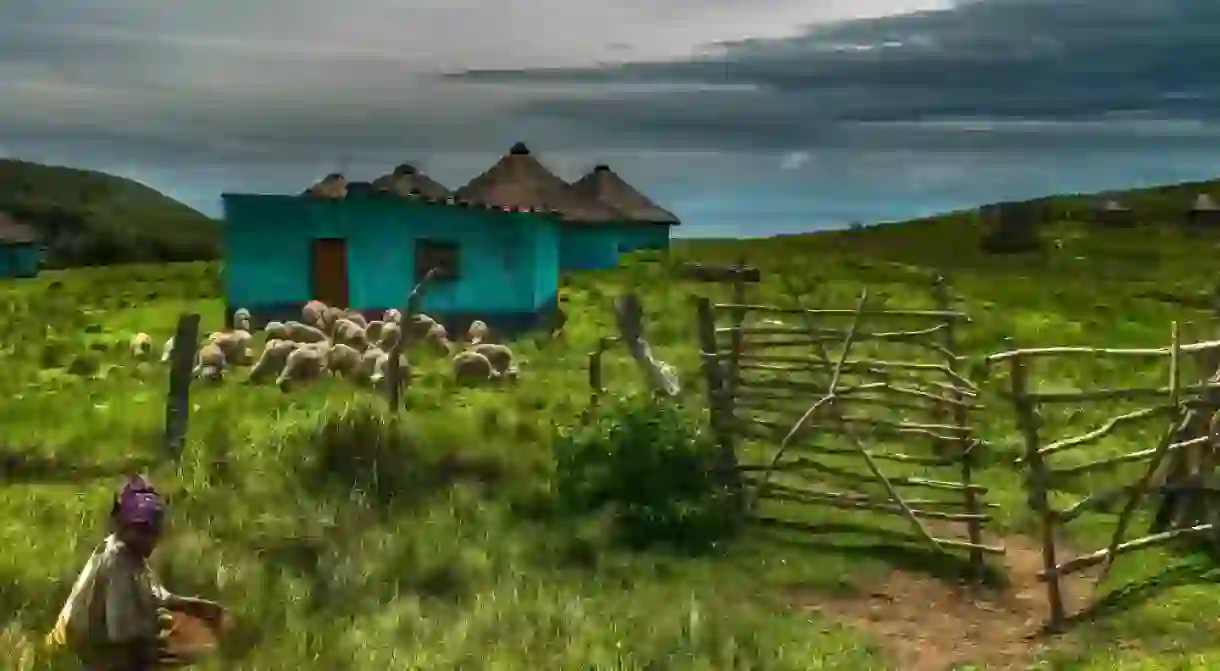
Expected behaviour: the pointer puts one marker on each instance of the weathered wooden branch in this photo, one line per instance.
(765, 362)
(748, 395)
(846, 501)
(773, 428)
(1102, 556)
(1141, 487)
(800, 464)
(951, 504)
(1129, 457)
(833, 333)
(850, 393)
(1102, 431)
(1115, 393)
(1155, 352)
(910, 537)
(843, 312)
(884, 425)
(822, 340)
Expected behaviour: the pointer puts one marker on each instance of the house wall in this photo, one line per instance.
(546, 263)
(503, 257)
(19, 259)
(586, 247)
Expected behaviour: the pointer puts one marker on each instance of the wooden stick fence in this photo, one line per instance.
(935, 386)
(1042, 479)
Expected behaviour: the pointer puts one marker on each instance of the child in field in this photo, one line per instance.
(118, 617)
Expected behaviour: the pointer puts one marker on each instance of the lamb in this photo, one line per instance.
(141, 346)
(392, 315)
(304, 362)
(304, 333)
(236, 346)
(343, 360)
(210, 363)
(470, 367)
(276, 331)
(477, 333)
(242, 319)
(312, 312)
(271, 362)
(349, 332)
(500, 356)
(391, 334)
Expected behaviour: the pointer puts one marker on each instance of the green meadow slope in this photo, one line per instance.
(344, 538)
(90, 218)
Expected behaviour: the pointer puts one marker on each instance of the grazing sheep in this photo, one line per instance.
(141, 346)
(391, 334)
(368, 362)
(349, 332)
(242, 319)
(380, 375)
(210, 363)
(500, 356)
(343, 360)
(392, 315)
(305, 362)
(477, 333)
(329, 317)
(312, 312)
(276, 331)
(304, 333)
(373, 330)
(236, 346)
(471, 368)
(272, 360)
(167, 350)
(355, 316)
(440, 337)
(421, 324)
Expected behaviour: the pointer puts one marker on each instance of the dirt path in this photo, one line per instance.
(927, 624)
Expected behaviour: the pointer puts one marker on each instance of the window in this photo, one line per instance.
(438, 254)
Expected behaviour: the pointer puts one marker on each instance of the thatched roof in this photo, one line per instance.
(1204, 203)
(15, 232)
(518, 180)
(604, 185)
(333, 185)
(406, 179)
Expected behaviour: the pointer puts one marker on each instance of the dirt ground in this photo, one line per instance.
(928, 624)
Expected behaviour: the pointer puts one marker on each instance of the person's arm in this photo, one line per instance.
(193, 606)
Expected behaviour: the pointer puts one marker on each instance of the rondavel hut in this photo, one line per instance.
(1204, 211)
(19, 248)
(1114, 213)
(645, 224)
(362, 246)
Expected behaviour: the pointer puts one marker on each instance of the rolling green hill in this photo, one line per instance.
(92, 218)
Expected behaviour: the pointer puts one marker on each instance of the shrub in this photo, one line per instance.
(652, 470)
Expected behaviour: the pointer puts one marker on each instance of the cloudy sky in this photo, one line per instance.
(747, 117)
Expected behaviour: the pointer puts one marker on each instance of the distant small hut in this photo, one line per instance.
(1013, 227)
(1204, 212)
(19, 248)
(406, 180)
(1114, 213)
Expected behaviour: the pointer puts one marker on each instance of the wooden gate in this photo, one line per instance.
(849, 408)
(329, 276)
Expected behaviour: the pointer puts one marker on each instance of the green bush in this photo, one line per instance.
(651, 469)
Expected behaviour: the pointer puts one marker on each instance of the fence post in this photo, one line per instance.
(966, 440)
(1038, 485)
(716, 388)
(394, 374)
(739, 319)
(177, 402)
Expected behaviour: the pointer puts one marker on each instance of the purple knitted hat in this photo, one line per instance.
(139, 503)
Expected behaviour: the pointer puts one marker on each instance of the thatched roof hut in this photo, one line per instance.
(518, 180)
(1114, 213)
(333, 185)
(1204, 211)
(604, 185)
(407, 179)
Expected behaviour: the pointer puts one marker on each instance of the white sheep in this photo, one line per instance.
(349, 332)
(373, 330)
(355, 316)
(470, 367)
(276, 331)
(392, 315)
(391, 334)
(421, 324)
(329, 317)
(272, 360)
(477, 333)
(141, 346)
(242, 319)
(343, 360)
(500, 356)
(210, 363)
(304, 333)
(368, 362)
(305, 362)
(440, 337)
(236, 346)
(312, 312)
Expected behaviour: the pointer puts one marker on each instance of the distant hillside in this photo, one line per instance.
(92, 218)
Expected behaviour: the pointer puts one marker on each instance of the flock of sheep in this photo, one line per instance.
(331, 340)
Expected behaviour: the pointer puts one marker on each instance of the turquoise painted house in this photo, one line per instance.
(20, 252)
(600, 215)
(366, 248)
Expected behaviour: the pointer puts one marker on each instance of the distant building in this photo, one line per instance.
(1204, 211)
(20, 255)
(645, 225)
(1114, 213)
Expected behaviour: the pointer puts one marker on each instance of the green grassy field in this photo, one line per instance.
(426, 566)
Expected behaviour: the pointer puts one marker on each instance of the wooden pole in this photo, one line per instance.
(394, 374)
(1037, 483)
(177, 402)
(739, 318)
(965, 441)
(719, 401)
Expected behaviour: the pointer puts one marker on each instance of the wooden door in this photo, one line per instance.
(329, 279)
